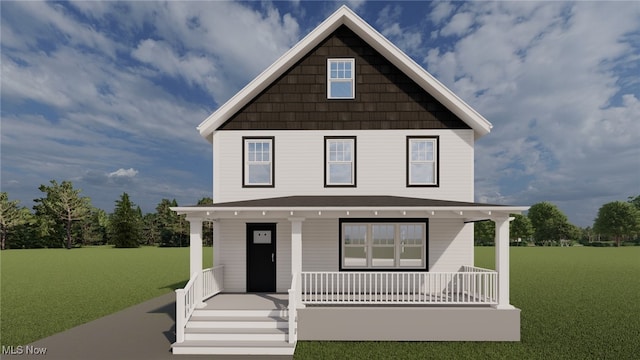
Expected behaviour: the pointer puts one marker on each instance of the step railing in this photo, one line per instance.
(186, 301)
(293, 312)
(201, 286)
(373, 287)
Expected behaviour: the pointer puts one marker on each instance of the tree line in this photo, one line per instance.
(61, 217)
(64, 218)
(617, 223)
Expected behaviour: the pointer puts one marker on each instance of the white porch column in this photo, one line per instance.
(216, 243)
(296, 252)
(195, 254)
(502, 261)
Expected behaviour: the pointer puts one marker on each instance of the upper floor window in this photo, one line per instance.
(340, 161)
(258, 162)
(341, 79)
(422, 161)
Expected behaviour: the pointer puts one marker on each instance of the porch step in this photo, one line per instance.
(231, 322)
(198, 347)
(242, 313)
(236, 332)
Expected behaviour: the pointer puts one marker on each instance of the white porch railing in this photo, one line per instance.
(293, 312)
(474, 286)
(212, 281)
(200, 287)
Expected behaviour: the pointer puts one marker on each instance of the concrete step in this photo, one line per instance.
(210, 347)
(236, 334)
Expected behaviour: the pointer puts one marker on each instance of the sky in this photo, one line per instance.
(108, 94)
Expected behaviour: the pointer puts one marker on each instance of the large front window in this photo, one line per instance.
(383, 244)
(340, 160)
(258, 162)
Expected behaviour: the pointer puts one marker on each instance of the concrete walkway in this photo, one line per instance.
(141, 332)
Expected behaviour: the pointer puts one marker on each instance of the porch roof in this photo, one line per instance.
(354, 206)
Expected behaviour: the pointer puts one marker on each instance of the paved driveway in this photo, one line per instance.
(141, 332)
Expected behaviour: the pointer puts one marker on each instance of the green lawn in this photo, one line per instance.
(577, 303)
(45, 291)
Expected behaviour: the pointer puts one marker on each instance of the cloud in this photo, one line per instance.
(94, 91)
(548, 75)
(458, 25)
(407, 40)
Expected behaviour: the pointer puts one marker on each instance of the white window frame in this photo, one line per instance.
(398, 246)
(341, 77)
(328, 162)
(433, 162)
(248, 162)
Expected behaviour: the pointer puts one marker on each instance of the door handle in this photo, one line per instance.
(273, 257)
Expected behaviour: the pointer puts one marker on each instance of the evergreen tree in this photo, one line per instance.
(173, 228)
(11, 217)
(62, 205)
(207, 226)
(125, 224)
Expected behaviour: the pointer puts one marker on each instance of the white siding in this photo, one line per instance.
(450, 244)
(381, 164)
(233, 254)
(320, 245)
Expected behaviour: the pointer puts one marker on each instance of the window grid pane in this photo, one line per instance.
(340, 162)
(340, 79)
(258, 165)
(422, 163)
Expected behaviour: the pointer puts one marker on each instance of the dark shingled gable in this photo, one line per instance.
(345, 201)
(385, 97)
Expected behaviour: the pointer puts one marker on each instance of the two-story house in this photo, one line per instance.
(343, 187)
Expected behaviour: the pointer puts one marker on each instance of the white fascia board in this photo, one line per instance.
(496, 211)
(345, 16)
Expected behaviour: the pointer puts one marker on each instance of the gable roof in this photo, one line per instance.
(344, 16)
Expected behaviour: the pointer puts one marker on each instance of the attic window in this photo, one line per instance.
(341, 79)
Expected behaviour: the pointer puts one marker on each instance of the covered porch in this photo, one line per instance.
(360, 305)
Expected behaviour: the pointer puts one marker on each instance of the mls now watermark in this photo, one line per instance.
(23, 350)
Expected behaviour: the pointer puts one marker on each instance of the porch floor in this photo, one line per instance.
(247, 301)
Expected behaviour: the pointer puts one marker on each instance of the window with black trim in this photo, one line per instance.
(341, 82)
(340, 161)
(258, 164)
(383, 244)
(422, 160)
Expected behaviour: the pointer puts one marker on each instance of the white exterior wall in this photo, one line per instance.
(450, 244)
(380, 161)
(320, 245)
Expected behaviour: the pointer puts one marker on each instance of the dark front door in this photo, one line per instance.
(261, 257)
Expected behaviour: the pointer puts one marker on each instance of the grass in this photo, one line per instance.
(577, 303)
(46, 291)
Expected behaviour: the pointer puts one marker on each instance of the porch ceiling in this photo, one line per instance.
(349, 206)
